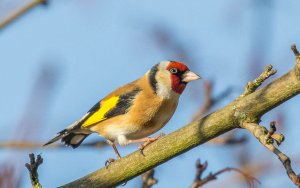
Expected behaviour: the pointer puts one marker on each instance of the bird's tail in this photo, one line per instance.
(70, 137)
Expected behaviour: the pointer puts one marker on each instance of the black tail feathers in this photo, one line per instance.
(58, 136)
(74, 139)
(69, 138)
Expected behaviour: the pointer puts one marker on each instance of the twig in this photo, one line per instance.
(21, 11)
(272, 136)
(297, 55)
(32, 168)
(253, 85)
(266, 138)
(200, 168)
(294, 49)
(148, 179)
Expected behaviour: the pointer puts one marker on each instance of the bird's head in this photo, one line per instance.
(170, 76)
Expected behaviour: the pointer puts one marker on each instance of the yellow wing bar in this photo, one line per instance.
(99, 115)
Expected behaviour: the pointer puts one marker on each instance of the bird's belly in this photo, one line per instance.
(132, 131)
(150, 127)
(144, 132)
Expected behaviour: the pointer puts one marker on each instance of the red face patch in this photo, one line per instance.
(177, 69)
(178, 65)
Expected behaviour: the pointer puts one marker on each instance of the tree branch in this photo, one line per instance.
(249, 108)
(21, 11)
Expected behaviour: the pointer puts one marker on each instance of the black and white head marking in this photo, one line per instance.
(152, 79)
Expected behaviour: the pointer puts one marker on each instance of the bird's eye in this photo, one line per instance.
(173, 70)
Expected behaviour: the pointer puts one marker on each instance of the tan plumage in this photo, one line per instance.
(142, 119)
(135, 110)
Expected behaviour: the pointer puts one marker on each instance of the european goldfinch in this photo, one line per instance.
(134, 111)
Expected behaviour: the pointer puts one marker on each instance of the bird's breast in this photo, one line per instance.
(152, 119)
(148, 114)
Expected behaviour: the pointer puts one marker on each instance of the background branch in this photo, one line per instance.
(200, 168)
(21, 11)
(148, 179)
(35, 145)
(209, 100)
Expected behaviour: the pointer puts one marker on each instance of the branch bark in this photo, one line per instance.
(248, 108)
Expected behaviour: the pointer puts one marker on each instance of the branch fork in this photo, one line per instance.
(267, 138)
(32, 168)
(272, 136)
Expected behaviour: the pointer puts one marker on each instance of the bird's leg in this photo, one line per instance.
(146, 141)
(111, 160)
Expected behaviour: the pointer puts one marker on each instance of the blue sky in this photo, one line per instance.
(97, 46)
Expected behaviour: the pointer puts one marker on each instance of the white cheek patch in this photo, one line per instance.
(163, 85)
(163, 90)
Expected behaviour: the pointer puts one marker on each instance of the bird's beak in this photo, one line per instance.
(190, 76)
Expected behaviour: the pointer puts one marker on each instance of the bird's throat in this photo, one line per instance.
(177, 85)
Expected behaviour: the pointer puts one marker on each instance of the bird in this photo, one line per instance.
(134, 111)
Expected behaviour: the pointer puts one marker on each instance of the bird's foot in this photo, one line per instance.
(148, 141)
(109, 161)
